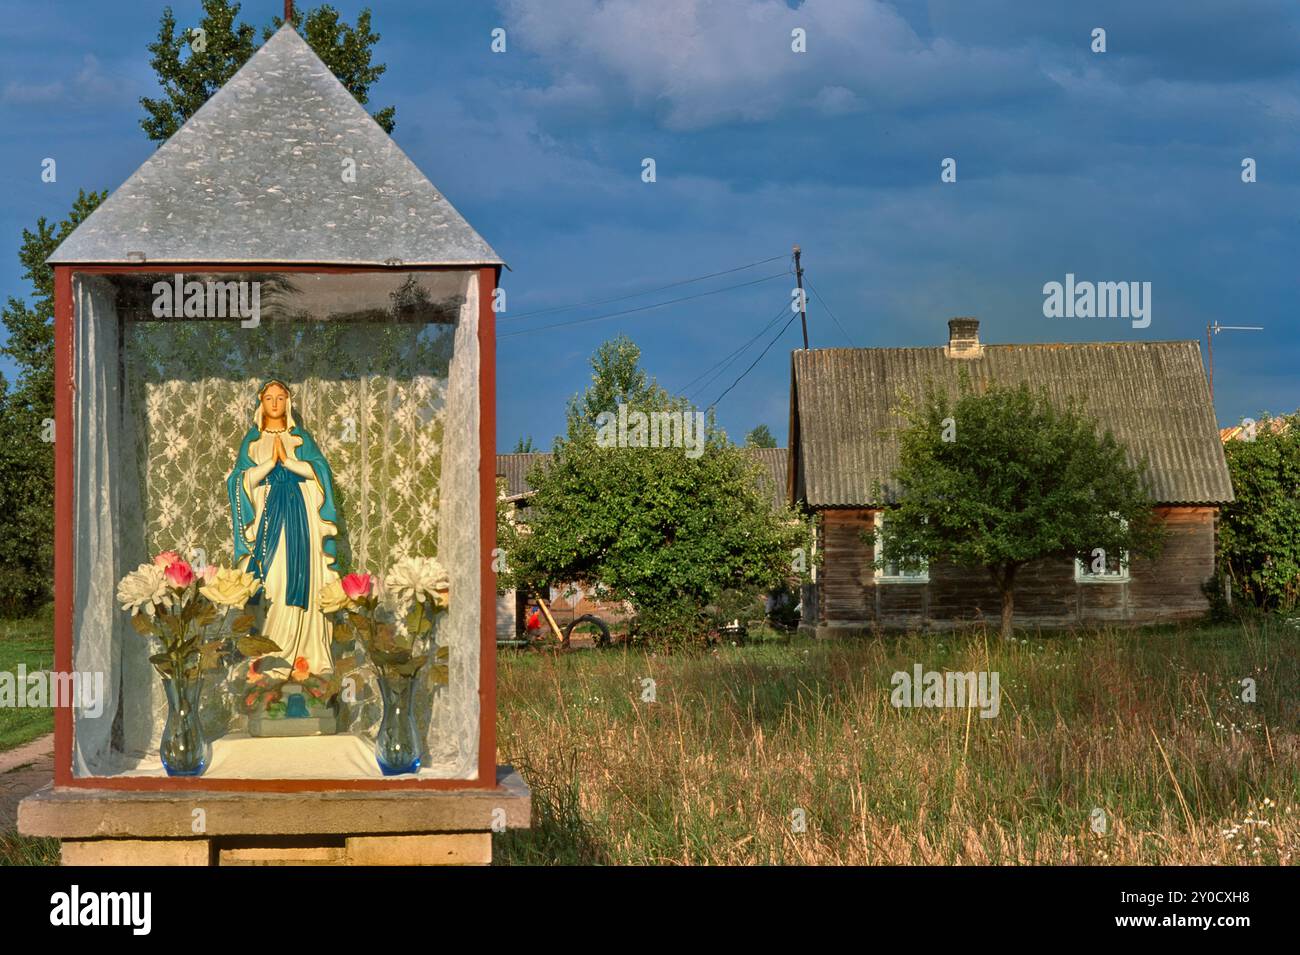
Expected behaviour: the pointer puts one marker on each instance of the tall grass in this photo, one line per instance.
(1146, 726)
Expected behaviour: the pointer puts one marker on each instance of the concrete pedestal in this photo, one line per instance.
(402, 827)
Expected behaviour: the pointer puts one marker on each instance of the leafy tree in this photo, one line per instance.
(26, 456)
(760, 437)
(525, 446)
(1259, 532)
(617, 378)
(667, 532)
(189, 76)
(1000, 479)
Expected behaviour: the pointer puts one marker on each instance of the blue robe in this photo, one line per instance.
(285, 509)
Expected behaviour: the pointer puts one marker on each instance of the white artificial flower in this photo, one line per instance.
(143, 589)
(417, 578)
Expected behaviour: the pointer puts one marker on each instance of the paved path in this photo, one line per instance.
(23, 771)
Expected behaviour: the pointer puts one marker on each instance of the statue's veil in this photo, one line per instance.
(289, 423)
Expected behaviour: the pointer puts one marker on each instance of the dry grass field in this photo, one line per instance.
(1148, 727)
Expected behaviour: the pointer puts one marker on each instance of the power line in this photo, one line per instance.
(709, 375)
(620, 298)
(643, 308)
(756, 360)
(830, 313)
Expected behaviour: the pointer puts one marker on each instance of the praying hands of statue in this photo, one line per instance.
(278, 451)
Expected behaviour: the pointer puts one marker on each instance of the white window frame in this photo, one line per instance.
(1082, 575)
(920, 577)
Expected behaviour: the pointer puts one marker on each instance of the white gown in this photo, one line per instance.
(298, 632)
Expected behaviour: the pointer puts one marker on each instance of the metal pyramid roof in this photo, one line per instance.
(256, 175)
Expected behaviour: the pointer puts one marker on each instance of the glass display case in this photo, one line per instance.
(272, 516)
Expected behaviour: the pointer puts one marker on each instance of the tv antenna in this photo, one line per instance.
(1213, 329)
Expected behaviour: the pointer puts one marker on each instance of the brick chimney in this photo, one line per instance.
(964, 338)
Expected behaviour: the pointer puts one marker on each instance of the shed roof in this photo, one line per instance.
(256, 176)
(1152, 396)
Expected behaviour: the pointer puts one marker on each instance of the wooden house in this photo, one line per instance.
(1152, 396)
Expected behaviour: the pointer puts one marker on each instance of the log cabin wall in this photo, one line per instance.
(1047, 595)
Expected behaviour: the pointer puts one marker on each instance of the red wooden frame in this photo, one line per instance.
(64, 539)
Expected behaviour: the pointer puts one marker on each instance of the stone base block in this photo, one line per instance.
(443, 848)
(281, 854)
(123, 852)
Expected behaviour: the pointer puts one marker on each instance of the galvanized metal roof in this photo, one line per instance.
(1152, 396)
(771, 479)
(257, 175)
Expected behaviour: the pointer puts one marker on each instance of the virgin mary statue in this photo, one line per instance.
(282, 513)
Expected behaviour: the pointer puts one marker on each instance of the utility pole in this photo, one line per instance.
(803, 299)
(288, 10)
(1213, 329)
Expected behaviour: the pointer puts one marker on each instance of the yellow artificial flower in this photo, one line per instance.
(333, 597)
(231, 588)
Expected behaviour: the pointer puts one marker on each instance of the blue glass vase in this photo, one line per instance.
(184, 751)
(398, 747)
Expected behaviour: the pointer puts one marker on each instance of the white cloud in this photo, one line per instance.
(23, 94)
(698, 63)
(90, 85)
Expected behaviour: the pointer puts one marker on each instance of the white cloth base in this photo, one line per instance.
(239, 756)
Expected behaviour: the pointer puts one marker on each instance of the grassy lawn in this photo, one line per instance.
(30, 642)
(1146, 726)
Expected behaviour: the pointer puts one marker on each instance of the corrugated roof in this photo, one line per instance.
(256, 175)
(1152, 396)
(515, 467)
(772, 478)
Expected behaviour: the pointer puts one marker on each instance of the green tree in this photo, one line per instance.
(189, 75)
(1006, 477)
(663, 529)
(26, 408)
(617, 378)
(1259, 532)
(525, 446)
(760, 437)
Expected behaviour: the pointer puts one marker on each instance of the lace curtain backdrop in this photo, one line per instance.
(379, 365)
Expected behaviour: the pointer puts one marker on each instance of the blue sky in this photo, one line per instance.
(1115, 166)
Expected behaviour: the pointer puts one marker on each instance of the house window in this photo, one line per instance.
(1101, 567)
(892, 573)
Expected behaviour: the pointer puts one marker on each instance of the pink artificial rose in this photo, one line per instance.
(166, 559)
(209, 574)
(179, 574)
(356, 585)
